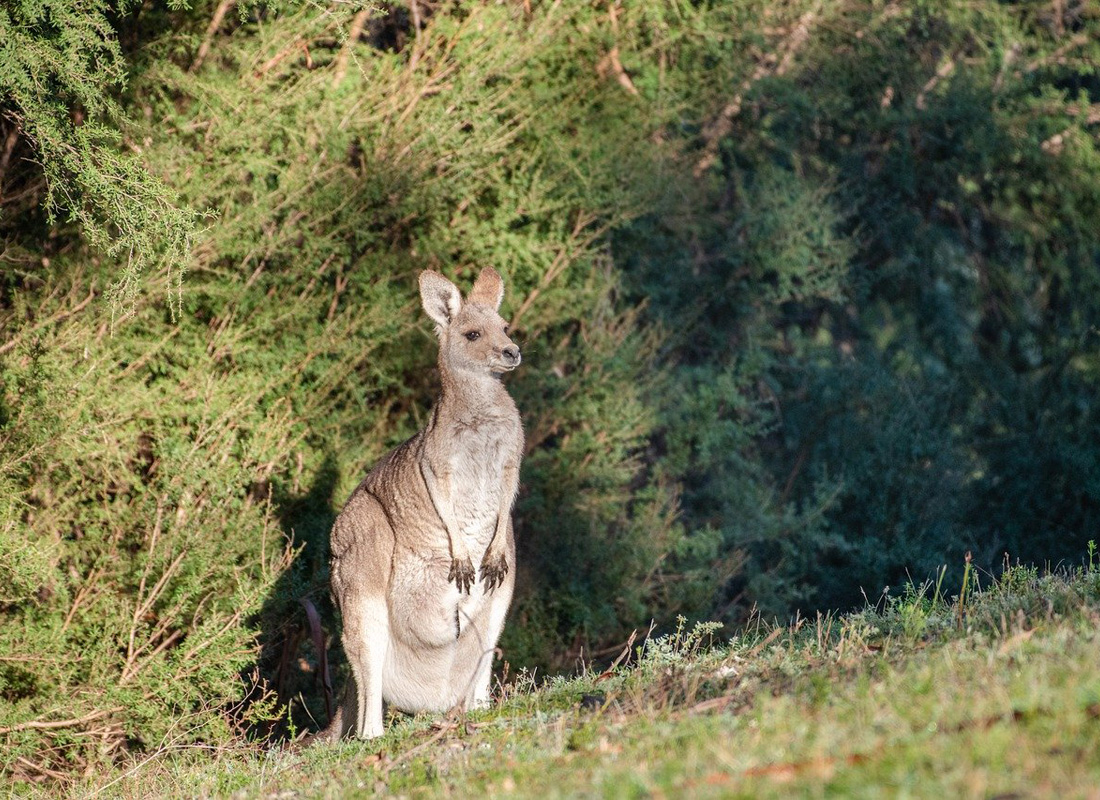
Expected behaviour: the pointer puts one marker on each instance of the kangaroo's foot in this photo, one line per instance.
(462, 573)
(493, 569)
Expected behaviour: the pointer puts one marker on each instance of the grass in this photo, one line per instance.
(996, 695)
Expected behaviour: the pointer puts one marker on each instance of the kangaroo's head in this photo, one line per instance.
(473, 337)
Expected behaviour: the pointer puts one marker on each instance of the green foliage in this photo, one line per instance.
(367, 186)
(1021, 596)
(61, 66)
(142, 556)
(683, 645)
(928, 174)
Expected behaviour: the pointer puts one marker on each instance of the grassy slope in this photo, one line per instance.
(898, 701)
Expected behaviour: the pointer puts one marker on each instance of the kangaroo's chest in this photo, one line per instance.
(477, 460)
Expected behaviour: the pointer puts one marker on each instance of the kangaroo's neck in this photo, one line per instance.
(468, 395)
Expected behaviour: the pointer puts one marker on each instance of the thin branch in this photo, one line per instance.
(57, 776)
(722, 125)
(1007, 60)
(1088, 115)
(298, 43)
(58, 317)
(1090, 112)
(1056, 56)
(139, 362)
(5, 158)
(53, 725)
(414, 7)
(1058, 13)
(83, 592)
(610, 671)
(341, 284)
(945, 68)
(211, 30)
(357, 25)
(612, 58)
(565, 256)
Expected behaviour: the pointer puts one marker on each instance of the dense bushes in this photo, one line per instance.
(893, 275)
(807, 298)
(177, 473)
(134, 523)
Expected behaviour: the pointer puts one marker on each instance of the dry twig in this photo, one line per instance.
(611, 60)
(58, 317)
(565, 256)
(53, 725)
(211, 30)
(722, 125)
(1057, 56)
(945, 68)
(341, 67)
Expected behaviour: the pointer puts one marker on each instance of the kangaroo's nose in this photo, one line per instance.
(511, 353)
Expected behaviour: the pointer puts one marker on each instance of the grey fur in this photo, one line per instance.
(420, 624)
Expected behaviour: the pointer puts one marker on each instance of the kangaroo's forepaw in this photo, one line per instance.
(462, 573)
(493, 570)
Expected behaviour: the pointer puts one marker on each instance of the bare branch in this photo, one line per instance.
(356, 30)
(1057, 56)
(945, 68)
(722, 125)
(611, 60)
(53, 725)
(211, 30)
(58, 317)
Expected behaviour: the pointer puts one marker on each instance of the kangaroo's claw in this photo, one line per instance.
(493, 571)
(462, 573)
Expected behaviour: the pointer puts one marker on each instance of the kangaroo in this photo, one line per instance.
(420, 625)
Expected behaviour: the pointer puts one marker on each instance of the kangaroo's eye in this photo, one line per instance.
(507, 329)
(473, 336)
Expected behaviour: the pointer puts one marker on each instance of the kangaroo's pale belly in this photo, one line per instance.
(439, 635)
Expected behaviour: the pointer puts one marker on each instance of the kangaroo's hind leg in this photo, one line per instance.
(366, 640)
(362, 545)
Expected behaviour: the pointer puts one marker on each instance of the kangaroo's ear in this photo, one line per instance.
(488, 289)
(440, 298)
